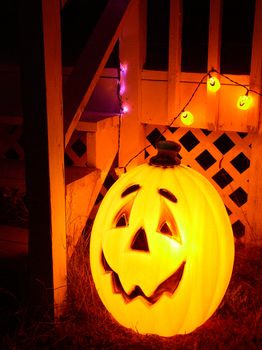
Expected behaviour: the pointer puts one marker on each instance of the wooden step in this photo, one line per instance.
(82, 187)
(89, 122)
(103, 104)
(12, 173)
(94, 121)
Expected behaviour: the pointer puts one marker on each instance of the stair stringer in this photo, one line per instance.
(81, 194)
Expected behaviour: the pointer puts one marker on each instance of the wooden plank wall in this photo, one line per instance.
(165, 93)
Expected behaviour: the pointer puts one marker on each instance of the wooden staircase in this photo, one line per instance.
(82, 183)
(55, 106)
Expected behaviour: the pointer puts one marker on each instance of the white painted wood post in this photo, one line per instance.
(132, 54)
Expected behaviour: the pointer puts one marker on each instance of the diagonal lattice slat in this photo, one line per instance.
(222, 157)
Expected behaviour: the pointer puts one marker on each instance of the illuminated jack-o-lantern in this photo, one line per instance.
(162, 247)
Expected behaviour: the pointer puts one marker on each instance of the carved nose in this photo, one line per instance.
(140, 241)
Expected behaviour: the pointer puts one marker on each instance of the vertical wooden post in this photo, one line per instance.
(44, 151)
(254, 121)
(256, 72)
(174, 58)
(214, 45)
(132, 53)
(255, 191)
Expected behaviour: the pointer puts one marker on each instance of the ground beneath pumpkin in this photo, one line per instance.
(237, 324)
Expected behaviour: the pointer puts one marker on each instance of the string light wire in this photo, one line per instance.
(177, 116)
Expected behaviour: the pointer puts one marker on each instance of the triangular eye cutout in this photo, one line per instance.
(165, 229)
(122, 221)
(167, 223)
(123, 215)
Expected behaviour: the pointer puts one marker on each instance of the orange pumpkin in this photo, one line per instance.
(162, 247)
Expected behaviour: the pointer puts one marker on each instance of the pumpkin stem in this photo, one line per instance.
(167, 154)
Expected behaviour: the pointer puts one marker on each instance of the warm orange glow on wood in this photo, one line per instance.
(162, 250)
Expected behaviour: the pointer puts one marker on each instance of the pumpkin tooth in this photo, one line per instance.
(105, 264)
(127, 286)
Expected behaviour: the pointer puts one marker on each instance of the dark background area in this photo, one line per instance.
(79, 17)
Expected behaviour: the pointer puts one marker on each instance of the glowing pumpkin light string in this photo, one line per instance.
(243, 103)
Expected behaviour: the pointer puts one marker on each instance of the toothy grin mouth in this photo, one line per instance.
(169, 286)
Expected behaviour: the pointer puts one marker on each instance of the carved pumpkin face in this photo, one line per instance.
(161, 250)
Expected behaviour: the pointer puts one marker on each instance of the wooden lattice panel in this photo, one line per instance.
(76, 149)
(222, 157)
(11, 146)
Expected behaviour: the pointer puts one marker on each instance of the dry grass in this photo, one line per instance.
(87, 325)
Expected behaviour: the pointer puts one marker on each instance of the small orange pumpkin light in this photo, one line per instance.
(162, 247)
(213, 84)
(187, 118)
(244, 102)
